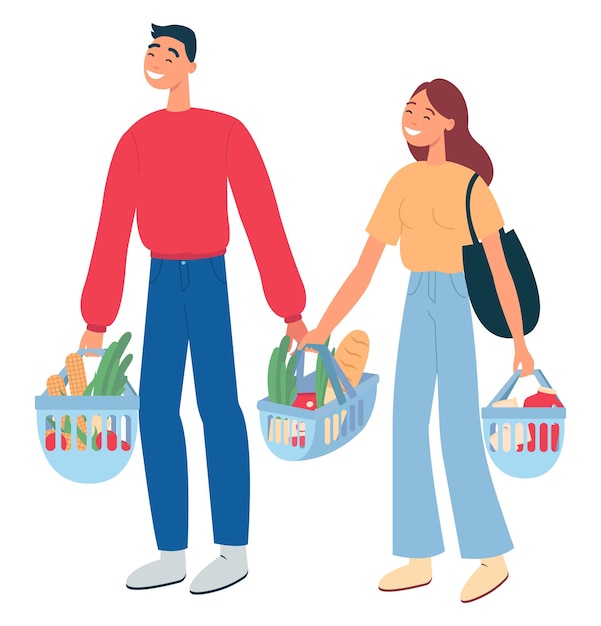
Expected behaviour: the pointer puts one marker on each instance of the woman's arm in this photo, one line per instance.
(510, 303)
(348, 295)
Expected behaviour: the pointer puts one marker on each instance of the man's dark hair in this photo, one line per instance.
(181, 33)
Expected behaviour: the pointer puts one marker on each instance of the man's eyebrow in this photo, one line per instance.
(154, 45)
(174, 51)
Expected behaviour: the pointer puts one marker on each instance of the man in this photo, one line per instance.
(171, 169)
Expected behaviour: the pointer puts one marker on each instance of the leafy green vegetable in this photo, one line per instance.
(110, 378)
(321, 378)
(281, 376)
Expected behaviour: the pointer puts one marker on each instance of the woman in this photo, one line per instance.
(423, 206)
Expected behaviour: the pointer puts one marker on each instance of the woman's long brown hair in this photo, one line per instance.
(460, 146)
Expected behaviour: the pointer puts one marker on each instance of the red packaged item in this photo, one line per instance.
(301, 435)
(305, 400)
(545, 397)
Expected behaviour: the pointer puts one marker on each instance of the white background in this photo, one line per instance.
(321, 86)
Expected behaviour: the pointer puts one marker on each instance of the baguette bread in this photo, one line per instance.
(351, 356)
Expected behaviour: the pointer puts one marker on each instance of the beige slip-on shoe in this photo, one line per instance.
(417, 573)
(491, 574)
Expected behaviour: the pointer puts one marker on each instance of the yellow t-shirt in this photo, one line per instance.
(424, 206)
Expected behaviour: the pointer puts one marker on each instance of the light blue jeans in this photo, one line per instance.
(437, 344)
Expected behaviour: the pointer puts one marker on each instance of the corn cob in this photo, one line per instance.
(56, 385)
(76, 374)
(81, 425)
(66, 431)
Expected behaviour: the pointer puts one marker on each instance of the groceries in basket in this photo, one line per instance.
(308, 416)
(545, 397)
(525, 441)
(99, 416)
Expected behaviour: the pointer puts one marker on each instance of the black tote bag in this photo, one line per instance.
(480, 284)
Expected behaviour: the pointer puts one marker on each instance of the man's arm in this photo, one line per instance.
(260, 216)
(102, 292)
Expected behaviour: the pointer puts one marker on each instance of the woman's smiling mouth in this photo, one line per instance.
(412, 131)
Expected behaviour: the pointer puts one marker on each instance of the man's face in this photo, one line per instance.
(166, 64)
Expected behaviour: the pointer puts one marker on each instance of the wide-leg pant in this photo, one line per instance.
(188, 305)
(437, 345)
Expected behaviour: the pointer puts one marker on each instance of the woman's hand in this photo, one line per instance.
(315, 336)
(523, 357)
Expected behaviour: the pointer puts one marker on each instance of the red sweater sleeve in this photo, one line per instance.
(103, 288)
(260, 217)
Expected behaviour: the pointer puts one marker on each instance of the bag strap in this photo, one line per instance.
(467, 207)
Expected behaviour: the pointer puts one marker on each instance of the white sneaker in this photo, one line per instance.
(227, 570)
(168, 570)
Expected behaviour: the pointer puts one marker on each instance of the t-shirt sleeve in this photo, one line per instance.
(486, 215)
(385, 223)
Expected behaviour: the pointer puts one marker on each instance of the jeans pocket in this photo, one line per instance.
(155, 269)
(415, 279)
(459, 284)
(218, 265)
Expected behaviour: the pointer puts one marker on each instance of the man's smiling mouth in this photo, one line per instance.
(154, 75)
(412, 131)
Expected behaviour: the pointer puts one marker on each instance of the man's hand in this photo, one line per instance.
(296, 331)
(91, 339)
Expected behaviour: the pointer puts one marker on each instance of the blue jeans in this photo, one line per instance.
(437, 343)
(188, 305)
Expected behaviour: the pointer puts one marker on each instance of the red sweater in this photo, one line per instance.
(171, 170)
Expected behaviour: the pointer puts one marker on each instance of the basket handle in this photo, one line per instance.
(333, 370)
(508, 386)
(85, 351)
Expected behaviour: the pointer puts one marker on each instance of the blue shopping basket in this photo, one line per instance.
(114, 418)
(524, 442)
(295, 434)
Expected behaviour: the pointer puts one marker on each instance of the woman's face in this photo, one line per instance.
(422, 124)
